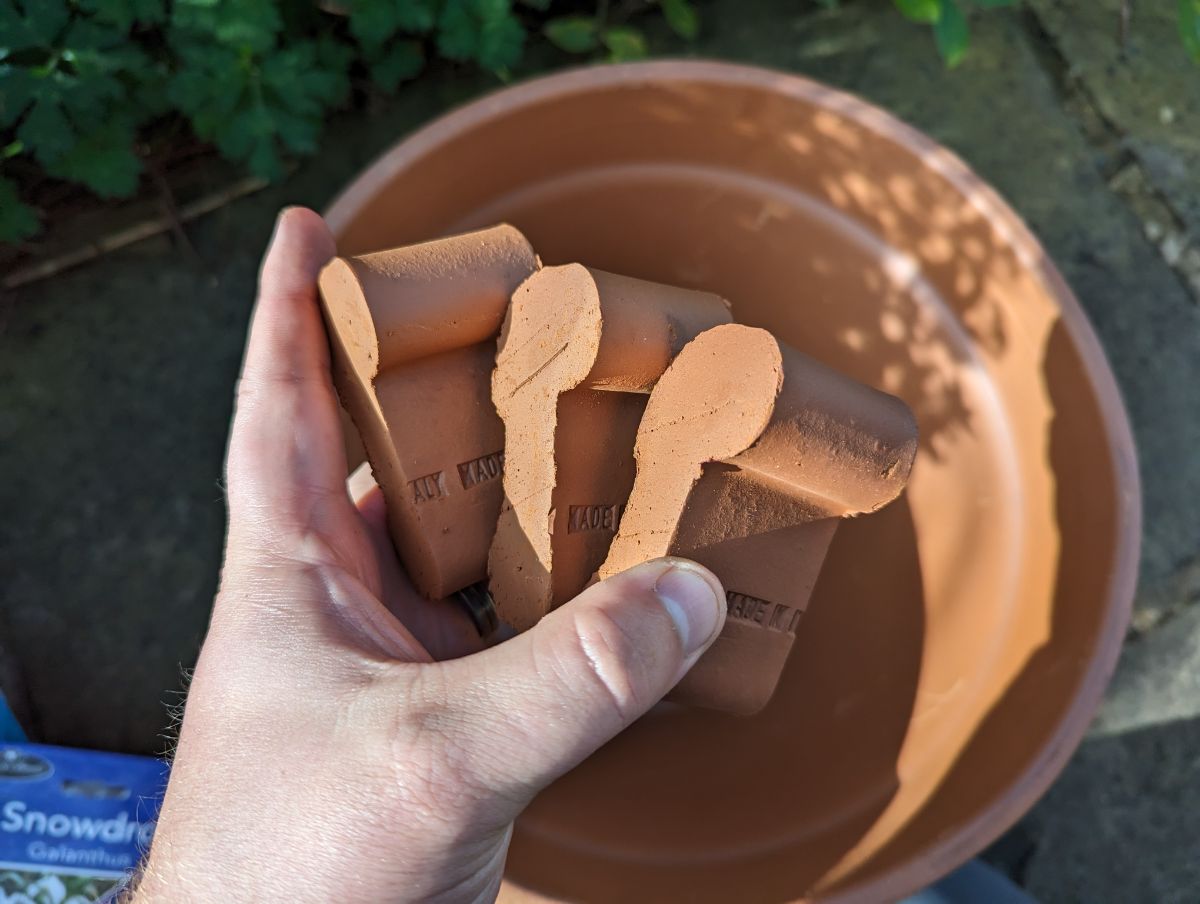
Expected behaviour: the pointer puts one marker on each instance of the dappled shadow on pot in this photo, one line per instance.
(864, 257)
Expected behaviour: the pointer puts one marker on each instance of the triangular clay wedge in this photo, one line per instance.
(748, 455)
(413, 332)
(579, 352)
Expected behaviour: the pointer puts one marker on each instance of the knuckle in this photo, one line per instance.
(616, 663)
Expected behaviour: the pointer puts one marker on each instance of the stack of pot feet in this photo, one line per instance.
(629, 420)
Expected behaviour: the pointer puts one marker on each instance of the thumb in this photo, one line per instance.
(540, 703)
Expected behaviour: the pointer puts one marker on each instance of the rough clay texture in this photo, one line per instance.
(579, 352)
(748, 454)
(413, 334)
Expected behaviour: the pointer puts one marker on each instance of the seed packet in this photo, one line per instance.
(10, 727)
(73, 823)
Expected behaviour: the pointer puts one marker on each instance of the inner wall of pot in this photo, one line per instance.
(948, 634)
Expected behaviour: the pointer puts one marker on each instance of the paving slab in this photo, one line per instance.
(1143, 83)
(1122, 824)
(116, 389)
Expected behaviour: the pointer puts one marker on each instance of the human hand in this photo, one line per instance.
(332, 747)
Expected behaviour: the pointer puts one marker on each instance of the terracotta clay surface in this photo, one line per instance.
(578, 354)
(958, 640)
(413, 334)
(747, 456)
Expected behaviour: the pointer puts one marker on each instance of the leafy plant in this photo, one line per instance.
(73, 91)
(952, 34)
(85, 84)
(389, 36)
(681, 16)
(622, 42)
(243, 88)
(950, 30)
(81, 81)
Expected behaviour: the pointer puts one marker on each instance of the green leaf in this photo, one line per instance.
(101, 68)
(485, 31)
(47, 131)
(574, 34)
(373, 22)
(400, 62)
(99, 53)
(103, 160)
(208, 87)
(927, 11)
(502, 43)
(458, 30)
(951, 33)
(264, 160)
(20, 88)
(248, 25)
(88, 80)
(308, 76)
(124, 14)
(17, 219)
(624, 44)
(250, 107)
(1189, 27)
(682, 17)
(38, 25)
(996, 4)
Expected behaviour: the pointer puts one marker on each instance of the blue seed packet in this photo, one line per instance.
(73, 823)
(10, 728)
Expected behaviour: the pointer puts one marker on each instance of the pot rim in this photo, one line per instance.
(954, 848)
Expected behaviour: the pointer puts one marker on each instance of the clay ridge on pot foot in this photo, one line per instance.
(578, 354)
(748, 454)
(413, 335)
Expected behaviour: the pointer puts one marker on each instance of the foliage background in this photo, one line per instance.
(91, 91)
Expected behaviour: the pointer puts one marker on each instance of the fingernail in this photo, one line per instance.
(694, 601)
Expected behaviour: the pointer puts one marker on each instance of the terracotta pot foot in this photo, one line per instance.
(579, 352)
(413, 336)
(748, 454)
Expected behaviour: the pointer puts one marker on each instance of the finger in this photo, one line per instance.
(285, 447)
(536, 706)
(287, 340)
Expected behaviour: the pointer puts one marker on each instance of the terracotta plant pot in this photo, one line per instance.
(958, 641)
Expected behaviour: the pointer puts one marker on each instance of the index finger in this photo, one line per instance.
(286, 446)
